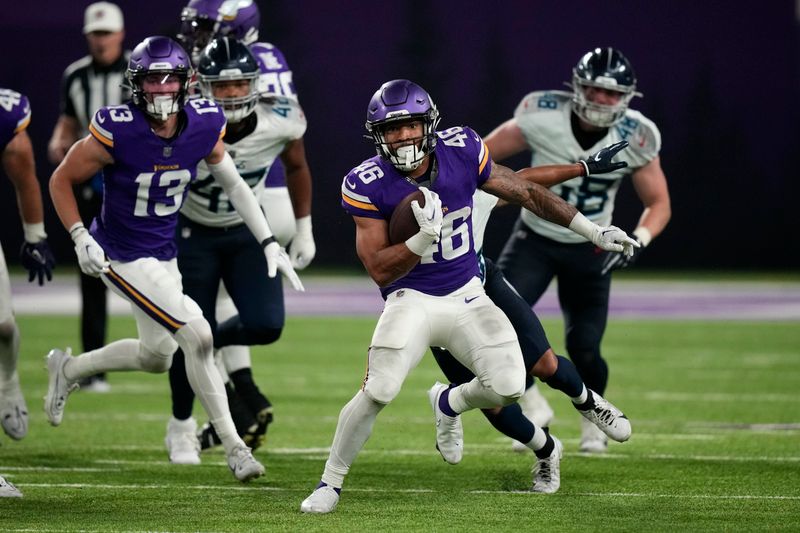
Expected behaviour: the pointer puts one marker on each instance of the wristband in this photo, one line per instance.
(419, 243)
(34, 232)
(583, 226)
(269, 240)
(644, 235)
(75, 230)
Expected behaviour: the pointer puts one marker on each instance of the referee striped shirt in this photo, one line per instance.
(87, 86)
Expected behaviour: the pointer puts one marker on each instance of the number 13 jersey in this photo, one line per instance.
(145, 186)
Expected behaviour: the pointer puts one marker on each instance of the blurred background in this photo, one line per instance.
(720, 79)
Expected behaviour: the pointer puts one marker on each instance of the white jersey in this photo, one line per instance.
(278, 123)
(544, 119)
(482, 205)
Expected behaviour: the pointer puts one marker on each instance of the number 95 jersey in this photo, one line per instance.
(375, 187)
(544, 118)
(145, 186)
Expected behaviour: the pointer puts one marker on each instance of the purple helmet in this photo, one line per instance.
(168, 62)
(401, 100)
(202, 20)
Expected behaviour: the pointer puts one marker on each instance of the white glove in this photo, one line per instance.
(614, 239)
(91, 257)
(278, 261)
(302, 250)
(429, 217)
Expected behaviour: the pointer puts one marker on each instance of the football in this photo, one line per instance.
(403, 223)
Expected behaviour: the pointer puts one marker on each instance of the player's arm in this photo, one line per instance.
(506, 140)
(298, 180)
(20, 168)
(384, 262)
(507, 185)
(244, 201)
(298, 177)
(651, 187)
(65, 134)
(86, 158)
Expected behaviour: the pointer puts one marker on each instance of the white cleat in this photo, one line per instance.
(608, 419)
(547, 471)
(536, 409)
(322, 500)
(243, 465)
(181, 441)
(449, 432)
(13, 410)
(58, 387)
(7, 490)
(592, 439)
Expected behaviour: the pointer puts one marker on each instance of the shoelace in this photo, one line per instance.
(605, 415)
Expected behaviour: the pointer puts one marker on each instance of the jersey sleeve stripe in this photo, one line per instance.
(142, 302)
(483, 157)
(360, 205)
(23, 123)
(101, 135)
(222, 131)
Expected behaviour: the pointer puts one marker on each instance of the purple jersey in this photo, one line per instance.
(374, 188)
(15, 114)
(276, 76)
(145, 186)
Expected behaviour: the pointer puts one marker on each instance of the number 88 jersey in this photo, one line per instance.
(145, 186)
(375, 187)
(544, 118)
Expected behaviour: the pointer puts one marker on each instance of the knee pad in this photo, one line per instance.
(8, 329)
(508, 382)
(195, 338)
(264, 335)
(382, 387)
(154, 362)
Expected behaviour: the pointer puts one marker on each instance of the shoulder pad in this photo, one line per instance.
(540, 101)
(358, 185)
(641, 132)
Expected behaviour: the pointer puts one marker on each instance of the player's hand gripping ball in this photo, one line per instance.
(403, 223)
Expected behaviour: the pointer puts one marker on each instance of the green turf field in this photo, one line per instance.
(716, 443)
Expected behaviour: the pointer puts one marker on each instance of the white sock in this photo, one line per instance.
(352, 431)
(473, 395)
(577, 400)
(539, 439)
(9, 350)
(119, 355)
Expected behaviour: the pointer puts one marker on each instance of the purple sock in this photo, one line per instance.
(321, 484)
(444, 405)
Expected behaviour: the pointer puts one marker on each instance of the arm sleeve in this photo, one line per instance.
(242, 197)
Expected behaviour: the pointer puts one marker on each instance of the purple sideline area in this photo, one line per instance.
(355, 296)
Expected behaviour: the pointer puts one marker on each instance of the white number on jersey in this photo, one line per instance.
(173, 180)
(118, 113)
(454, 227)
(368, 172)
(453, 136)
(203, 105)
(9, 98)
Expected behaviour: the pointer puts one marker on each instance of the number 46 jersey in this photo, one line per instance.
(544, 118)
(145, 186)
(375, 187)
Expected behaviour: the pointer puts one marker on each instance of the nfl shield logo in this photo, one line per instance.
(168, 151)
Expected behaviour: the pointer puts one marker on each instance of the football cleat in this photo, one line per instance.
(8, 490)
(182, 444)
(536, 409)
(547, 471)
(608, 418)
(243, 465)
(208, 437)
(322, 500)
(13, 410)
(254, 436)
(58, 386)
(592, 439)
(449, 432)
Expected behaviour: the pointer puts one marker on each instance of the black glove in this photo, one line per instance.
(616, 260)
(38, 260)
(600, 163)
